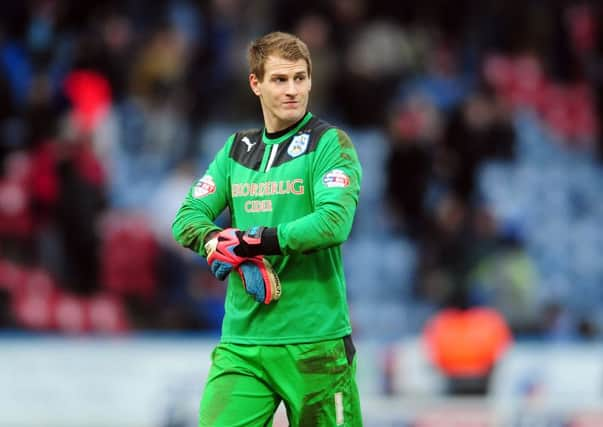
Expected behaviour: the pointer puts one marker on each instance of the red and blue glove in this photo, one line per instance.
(257, 241)
(260, 279)
(231, 249)
(220, 253)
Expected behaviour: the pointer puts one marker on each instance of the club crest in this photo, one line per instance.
(298, 145)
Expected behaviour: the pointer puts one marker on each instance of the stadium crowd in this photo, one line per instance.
(483, 115)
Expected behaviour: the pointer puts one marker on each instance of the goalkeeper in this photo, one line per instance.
(292, 189)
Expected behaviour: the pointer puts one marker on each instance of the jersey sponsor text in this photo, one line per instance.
(253, 206)
(268, 188)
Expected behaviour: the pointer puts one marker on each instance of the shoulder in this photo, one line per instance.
(251, 134)
(317, 125)
(246, 148)
(245, 138)
(331, 134)
(342, 138)
(249, 131)
(325, 133)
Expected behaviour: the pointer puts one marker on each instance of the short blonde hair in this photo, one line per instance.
(284, 45)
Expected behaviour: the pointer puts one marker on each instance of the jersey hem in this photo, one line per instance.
(234, 339)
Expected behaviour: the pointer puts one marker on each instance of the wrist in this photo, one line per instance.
(211, 235)
(270, 244)
(259, 241)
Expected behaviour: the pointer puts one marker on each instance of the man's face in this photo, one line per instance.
(283, 92)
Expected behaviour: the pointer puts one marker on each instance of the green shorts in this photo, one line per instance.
(316, 382)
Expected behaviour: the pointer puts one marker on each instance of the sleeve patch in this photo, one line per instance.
(336, 178)
(204, 187)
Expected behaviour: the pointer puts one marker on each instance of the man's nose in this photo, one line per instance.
(291, 88)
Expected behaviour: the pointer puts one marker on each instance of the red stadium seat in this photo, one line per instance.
(128, 257)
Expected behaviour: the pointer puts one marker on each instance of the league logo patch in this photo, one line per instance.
(298, 145)
(336, 178)
(204, 187)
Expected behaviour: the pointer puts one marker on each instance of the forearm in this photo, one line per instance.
(190, 228)
(326, 227)
(330, 225)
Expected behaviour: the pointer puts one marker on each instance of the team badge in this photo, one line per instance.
(336, 178)
(204, 187)
(298, 145)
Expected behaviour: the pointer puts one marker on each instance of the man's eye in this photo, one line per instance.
(300, 78)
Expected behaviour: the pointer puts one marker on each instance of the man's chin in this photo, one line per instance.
(293, 115)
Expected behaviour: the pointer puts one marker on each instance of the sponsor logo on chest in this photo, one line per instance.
(252, 206)
(268, 188)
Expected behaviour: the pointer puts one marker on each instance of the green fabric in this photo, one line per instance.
(246, 384)
(312, 221)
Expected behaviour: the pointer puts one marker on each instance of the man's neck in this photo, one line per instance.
(283, 131)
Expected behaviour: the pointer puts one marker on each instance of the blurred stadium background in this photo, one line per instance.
(474, 268)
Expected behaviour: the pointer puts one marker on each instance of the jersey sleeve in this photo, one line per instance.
(336, 186)
(206, 199)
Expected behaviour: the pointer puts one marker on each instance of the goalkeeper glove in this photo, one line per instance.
(258, 276)
(230, 246)
(260, 279)
(220, 253)
(257, 241)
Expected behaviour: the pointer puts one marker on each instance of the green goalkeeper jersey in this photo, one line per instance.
(306, 183)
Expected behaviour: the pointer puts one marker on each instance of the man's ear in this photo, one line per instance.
(254, 84)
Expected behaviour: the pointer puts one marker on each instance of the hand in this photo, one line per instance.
(260, 279)
(250, 242)
(220, 252)
(257, 241)
(227, 249)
